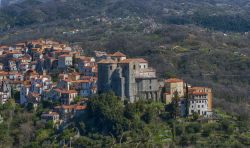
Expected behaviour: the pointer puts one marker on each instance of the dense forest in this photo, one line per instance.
(108, 122)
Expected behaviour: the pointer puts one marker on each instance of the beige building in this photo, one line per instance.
(50, 116)
(68, 96)
(172, 86)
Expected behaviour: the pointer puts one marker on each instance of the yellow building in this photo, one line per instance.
(172, 86)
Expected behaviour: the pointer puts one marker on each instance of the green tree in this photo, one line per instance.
(42, 135)
(175, 105)
(106, 112)
(193, 128)
(227, 126)
(184, 140)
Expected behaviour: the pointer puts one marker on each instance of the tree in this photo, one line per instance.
(30, 106)
(175, 105)
(187, 101)
(193, 128)
(184, 140)
(195, 116)
(207, 129)
(227, 126)
(148, 116)
(106, 112)
(193, 139)
(42, 135)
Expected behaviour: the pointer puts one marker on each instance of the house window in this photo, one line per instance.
(134, 67)
(198, 106)
(110, 67)
(150, 87)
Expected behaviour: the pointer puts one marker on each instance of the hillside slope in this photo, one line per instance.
(220, 15)
(185, 37)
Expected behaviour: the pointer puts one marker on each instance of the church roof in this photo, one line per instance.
(118, 54)
(107, 61)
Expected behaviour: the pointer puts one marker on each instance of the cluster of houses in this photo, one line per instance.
(47, 70)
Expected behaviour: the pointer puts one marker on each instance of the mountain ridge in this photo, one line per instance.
(225, 13)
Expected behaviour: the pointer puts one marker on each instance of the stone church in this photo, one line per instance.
(130, 79)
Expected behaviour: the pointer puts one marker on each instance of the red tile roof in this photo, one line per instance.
(198, 93)
(69, 91)
(64, 55)
(107, 61)
(76, 107)
(118, 54)
(173, 80)
(139, 60)
(50, 114)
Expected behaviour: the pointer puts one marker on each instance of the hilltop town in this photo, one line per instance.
(38, 70)
(124, 73)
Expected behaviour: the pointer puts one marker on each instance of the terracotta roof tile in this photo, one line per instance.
(107, 61)
(173, 80)
(69, 91)
(139, 60)
(198, 93)
(76, 107)
(118, 54)
(65, 55)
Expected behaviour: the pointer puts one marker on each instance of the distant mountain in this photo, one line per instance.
(220, 15)
(4, 3)
(8, 2)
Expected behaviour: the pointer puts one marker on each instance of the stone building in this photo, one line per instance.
(51, 116)
(64, 61)
(5, 91)
(131, 79)
(172, 86)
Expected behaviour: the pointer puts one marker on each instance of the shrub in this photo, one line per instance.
(206, 131)
(193, 128)
(179, 130)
